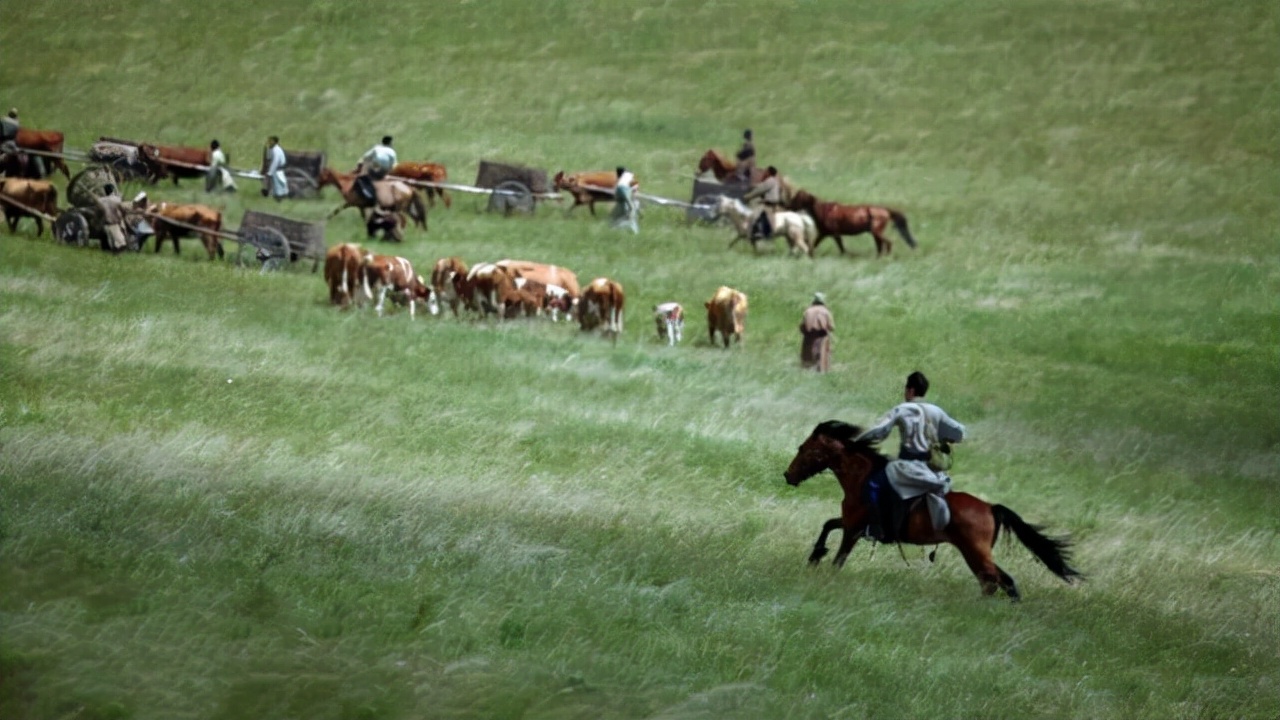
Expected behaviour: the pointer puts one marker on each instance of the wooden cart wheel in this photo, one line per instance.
(270, 246)
(72, 228)
(704, 210)
(511, 196)
(301, 183)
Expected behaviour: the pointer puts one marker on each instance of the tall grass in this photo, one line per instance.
(220, 497)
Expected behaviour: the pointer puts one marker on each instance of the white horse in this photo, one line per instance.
(798, 228)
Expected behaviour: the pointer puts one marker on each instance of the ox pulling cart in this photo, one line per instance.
(507, 188)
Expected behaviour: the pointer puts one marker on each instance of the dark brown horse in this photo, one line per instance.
(975, 525)
(722, 167)
(835, 220)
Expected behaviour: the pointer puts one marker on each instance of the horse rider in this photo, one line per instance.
(921, 426)
(22, 162)
(624, 206)
(112, 208)
(770, 193)
(375, 165)
(746, 157)
(218, 177)
(274, 183)
(9, 132)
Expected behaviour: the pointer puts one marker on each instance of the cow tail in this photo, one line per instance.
(900, 222)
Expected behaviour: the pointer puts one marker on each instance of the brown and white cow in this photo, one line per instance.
(486, 288)
(442, 288)
(342, 265)
(38, 195)
(202, 216)
(669, 318)
(726, 313)
(601, 306)
(562, 284)
(590, 187)
(392, 274)
(425, 172)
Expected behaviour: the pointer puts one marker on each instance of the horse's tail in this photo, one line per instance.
(1055, 553)
(900, 222)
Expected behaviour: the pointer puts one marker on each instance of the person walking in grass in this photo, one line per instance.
(218, 177)
(274, 182)
(816, 326)
(921, 425)
(625, 213)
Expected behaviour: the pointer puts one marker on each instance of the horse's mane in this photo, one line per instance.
(847, 434)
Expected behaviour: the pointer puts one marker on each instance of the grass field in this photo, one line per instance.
(222, 498)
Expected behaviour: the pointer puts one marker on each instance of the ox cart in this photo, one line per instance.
(302, 170)
(512, 188)
(705, 192)
(82, 221)
(278, 240)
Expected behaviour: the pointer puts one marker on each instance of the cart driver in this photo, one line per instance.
(9, 132)
(112, 217)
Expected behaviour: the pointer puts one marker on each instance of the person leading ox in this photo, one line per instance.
(920, 424)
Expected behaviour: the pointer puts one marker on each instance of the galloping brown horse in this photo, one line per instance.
(834, 220)
(393, 196)
(974, 527)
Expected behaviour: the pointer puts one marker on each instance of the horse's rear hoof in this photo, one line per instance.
(817, 555)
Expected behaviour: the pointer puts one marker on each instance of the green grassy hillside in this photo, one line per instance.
(222, 498)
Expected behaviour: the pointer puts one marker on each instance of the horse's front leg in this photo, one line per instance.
(853, 523)
(820, 548)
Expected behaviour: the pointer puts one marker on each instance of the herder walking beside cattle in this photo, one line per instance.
(218, 177)
(274, 183)
(816, 326)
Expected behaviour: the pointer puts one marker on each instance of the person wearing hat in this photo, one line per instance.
(746, 157)
(112, 217)
(624, 214)
(816, 326)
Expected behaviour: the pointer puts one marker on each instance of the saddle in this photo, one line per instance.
(364, 186)
(889, 511)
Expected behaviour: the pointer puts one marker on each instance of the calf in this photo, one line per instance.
(201, 216)
(726, 314)
(602, 304)
(669, 317)
(392, 274)
(342, 270)
(27, 198)
(486, 288)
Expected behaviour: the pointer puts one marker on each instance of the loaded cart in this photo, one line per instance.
(513, 188)
(278, 240)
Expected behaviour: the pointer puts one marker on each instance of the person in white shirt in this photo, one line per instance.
(218, 177)
(274, 182)
(625, 212)
(375, 165)
(920, 424)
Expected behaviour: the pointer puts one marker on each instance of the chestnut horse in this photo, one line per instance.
(426, 172)
(722, 167)
(834, 220)
(393, 196)
(974, 527)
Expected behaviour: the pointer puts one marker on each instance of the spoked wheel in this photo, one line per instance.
(271, 247)
(511, 196)
(704, 211)
(71, 228)
(301, 184)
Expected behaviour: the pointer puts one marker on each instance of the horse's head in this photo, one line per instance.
(825, 449)
(802, 200)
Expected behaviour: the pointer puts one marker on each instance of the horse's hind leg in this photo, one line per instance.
(820, 548)
(984, 568)
(1008, 585)
(883, 245)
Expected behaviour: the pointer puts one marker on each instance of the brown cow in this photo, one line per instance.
(201, 216)
(38, 195)
(726, 313)
(487, 288)
(342, 271)
(173, 161)
(602, 304)
(562, 284)
(49, 141)
(529, 298)
(442, 288)
(426, 172)
(590, 187)
(393, 274)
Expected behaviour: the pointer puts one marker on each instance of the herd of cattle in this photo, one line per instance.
(509, 289)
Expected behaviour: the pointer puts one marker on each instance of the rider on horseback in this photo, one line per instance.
(770, 193)
(375, 165)
(746, 158)
(921, 426)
